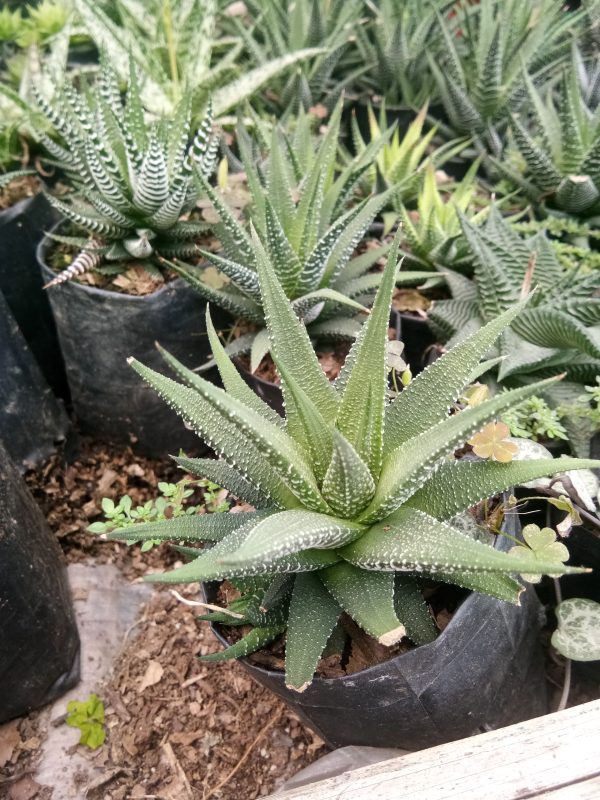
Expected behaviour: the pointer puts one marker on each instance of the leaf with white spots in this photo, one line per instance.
(412, 610)
(312, 617)
(187, 528)
(457, 485)
(368, 597)
(409, 465)
(578, 632)
(288, 532)
(362, 404)
(209, 406)
(348, 485)
(411, 541)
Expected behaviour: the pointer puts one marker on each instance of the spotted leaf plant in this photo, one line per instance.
(485, 47)
(133, 181)
(354, 496)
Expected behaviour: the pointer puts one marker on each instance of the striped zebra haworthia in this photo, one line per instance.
(558, 332)
(355, 493)
(133, 181)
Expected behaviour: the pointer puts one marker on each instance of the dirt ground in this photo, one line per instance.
(176, 728)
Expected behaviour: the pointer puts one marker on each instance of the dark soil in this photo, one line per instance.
(227, 737)
(19, 189)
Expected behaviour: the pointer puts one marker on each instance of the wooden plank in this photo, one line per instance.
(582, 790)
(526, 760)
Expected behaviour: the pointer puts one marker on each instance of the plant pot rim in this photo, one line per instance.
(94, 290)
(19, 206)
(367, 671)
(375, 668)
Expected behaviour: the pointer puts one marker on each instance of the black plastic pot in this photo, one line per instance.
(484, 671)
(22, 227)
(39, 644)
(99, 330)
(32, 420)
(418, 340)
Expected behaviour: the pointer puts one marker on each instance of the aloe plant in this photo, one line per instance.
(271, 29)
(299, 211)
(560, 149)
(559, 329)
(433, 232)
(486, 47)
(133, 181)
(176, 48)
(401, 162)
(354, 495)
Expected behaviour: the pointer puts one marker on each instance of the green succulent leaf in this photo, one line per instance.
(411, 463)
(250, 643)
(202, 527)
(368, 598)
(412, 610)
(209, 408)
(457, 485)
(494, 584)
(288, 532)
(362, 404)
(290, 343)
(347, 485)
(412, 541)
(312, 617)
(426, 400)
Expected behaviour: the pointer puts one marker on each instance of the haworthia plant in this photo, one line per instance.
(486, 47)
(559, 141)
(394, 44)
(177, 51)
(354, 505)
(433, 234)
(271, 29)
(401, 162)
(133, 181)
(558, 332)
(305, 230)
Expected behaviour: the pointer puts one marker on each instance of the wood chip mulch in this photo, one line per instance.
(181, 729)
(177, 729)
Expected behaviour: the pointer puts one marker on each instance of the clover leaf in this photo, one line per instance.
(490, 442)
(540, 545)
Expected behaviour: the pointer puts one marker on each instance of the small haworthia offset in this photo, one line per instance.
(356, 494)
